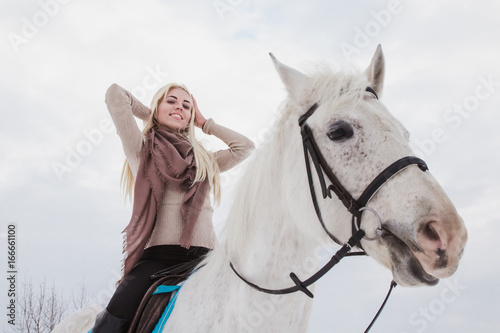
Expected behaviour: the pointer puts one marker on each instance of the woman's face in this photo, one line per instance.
(174, 111)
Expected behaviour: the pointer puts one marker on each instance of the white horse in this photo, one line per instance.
(273, 228)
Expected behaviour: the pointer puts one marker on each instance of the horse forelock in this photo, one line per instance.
(337, 84)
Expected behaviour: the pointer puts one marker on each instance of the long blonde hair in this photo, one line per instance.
(206, 166)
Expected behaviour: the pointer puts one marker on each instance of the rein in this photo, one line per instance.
(355, 207)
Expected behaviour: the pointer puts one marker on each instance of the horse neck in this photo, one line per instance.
(262, 238)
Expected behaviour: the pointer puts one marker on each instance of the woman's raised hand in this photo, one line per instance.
(199, 120)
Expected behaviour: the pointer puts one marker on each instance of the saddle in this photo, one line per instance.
(154, 304)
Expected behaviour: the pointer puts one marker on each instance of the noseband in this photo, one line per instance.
(355, 207)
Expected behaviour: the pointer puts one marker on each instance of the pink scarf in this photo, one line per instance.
(165, 159)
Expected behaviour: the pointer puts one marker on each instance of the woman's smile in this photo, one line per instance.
(174, 111)
(176, 116)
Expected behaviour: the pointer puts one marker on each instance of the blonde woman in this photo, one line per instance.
(170, 175)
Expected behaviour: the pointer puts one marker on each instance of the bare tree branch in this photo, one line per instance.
(82, 298)
(42, 309)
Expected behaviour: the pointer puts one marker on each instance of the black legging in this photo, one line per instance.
(131, 290)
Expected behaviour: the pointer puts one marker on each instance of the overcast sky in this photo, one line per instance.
(60, 161)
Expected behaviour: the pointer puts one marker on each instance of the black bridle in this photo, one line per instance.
(355, 207)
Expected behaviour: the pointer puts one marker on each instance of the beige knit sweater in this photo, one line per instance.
(123, 106)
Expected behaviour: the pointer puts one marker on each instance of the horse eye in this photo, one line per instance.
(340, 130)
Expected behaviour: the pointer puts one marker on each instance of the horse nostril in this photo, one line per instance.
(431, 236)
(430, 233)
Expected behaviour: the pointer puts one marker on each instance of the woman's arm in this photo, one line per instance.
(240, 146)
(123, 107)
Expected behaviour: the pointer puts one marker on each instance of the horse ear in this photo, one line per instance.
(375, 72)
(291, 78)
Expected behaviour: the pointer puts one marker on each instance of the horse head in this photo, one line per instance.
(421, 236)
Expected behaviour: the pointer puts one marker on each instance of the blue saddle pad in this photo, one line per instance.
(170, 306)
